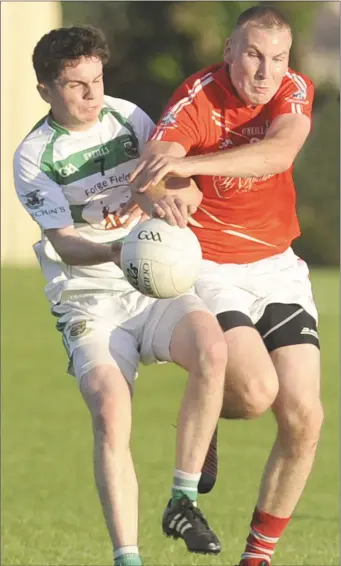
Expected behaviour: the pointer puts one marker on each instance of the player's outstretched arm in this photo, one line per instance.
(75, 250)
(274, 154)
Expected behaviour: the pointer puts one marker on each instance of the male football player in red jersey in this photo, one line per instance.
(237, 128)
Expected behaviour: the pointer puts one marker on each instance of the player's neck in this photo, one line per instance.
(70, 126)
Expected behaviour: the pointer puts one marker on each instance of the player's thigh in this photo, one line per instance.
(285, 313)
(251, 380)
(104, 360)
(217, 287)
(183, 331)
(100, 343)
(298, 407)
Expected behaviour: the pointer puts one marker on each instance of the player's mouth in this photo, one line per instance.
(92, 108)
(261, 89)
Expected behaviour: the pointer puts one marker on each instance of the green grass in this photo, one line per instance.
(50, 512)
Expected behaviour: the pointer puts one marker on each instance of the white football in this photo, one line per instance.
(160, 260)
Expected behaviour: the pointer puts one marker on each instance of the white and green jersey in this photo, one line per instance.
(66, 178)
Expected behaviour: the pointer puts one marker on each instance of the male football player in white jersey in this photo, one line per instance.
(72, 176)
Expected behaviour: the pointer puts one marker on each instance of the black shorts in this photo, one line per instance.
(281, 325)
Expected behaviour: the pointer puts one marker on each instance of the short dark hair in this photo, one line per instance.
(263, 15)
(60, 47)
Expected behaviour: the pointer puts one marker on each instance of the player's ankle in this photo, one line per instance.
(127, 556)
(265, 532)
(185, 484)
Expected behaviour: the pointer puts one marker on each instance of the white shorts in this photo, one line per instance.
(250, 288)
(119, 328)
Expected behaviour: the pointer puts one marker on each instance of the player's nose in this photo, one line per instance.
(263, 69)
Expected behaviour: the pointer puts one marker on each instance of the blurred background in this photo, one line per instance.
(50, 514)
(154, 46)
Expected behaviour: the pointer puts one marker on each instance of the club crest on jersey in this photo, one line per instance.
(34, 200)
(130, 148)
(168, 119)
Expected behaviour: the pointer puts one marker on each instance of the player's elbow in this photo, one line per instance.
(287, 159)
(284, 164)
(64, 254)
(280, 161)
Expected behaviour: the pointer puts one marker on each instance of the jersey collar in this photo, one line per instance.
(59, 129)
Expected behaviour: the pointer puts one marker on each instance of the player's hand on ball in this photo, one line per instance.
(173, 210)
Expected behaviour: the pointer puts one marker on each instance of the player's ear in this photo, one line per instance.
(227, 51)
(44, 92)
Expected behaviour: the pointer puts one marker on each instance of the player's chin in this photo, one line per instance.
(262, 98)
(91, 113)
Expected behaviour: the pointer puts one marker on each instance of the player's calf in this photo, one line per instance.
(210, 468)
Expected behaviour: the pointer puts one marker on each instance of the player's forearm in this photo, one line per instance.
(266, 157)
(75, 250)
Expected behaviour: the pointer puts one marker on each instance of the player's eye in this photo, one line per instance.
(75, 85)
(253, 54)
(278, 59)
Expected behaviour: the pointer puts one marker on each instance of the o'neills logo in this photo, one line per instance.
(254, 131)
(146, 277)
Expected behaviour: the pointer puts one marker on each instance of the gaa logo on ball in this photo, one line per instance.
(160, 260)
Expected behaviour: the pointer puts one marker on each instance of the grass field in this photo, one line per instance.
(50, 512)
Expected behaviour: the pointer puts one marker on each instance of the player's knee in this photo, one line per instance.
(253, 396)
(198, 345)
(260, 395)
(105, 399)
(300, 425)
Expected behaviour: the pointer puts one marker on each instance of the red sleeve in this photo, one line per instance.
(180, 122)
(295, 96)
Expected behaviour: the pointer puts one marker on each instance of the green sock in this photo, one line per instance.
(185, 484)
(127, 556)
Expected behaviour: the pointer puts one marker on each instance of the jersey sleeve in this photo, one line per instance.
(295, 96)
(41, 197)
(180, 120)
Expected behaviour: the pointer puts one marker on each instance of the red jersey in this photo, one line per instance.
(240, 220)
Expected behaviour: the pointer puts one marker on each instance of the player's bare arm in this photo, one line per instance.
(275, 154)
(75, 250)
(173, 198)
